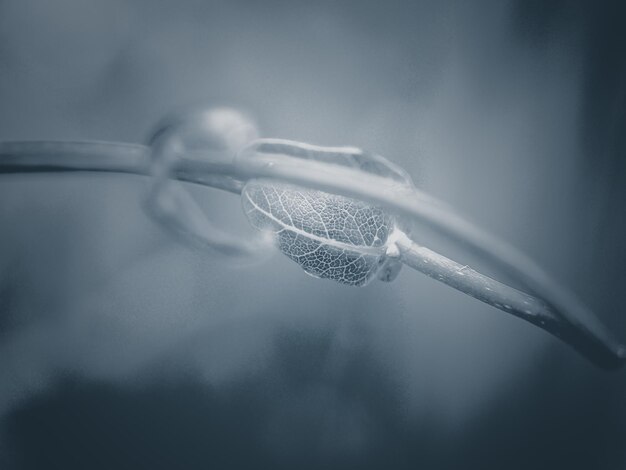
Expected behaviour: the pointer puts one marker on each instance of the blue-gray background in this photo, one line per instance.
(121, 348)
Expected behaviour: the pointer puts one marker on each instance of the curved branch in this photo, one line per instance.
(569, 318)
(503, 297)
(410, 202)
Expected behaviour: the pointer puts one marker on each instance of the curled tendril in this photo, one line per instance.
(213, 135)
(202, 148)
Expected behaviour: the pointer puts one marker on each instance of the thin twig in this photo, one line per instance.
(563, 314)
(498, 295)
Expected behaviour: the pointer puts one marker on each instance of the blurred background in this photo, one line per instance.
(122, 348)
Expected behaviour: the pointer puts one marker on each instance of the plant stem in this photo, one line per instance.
(505, 298)
(555, 310)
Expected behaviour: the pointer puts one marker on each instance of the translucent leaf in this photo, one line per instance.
(330, 236)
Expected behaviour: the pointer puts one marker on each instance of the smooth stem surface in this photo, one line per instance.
(571, 320)
(503, 297)
(51, 156)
